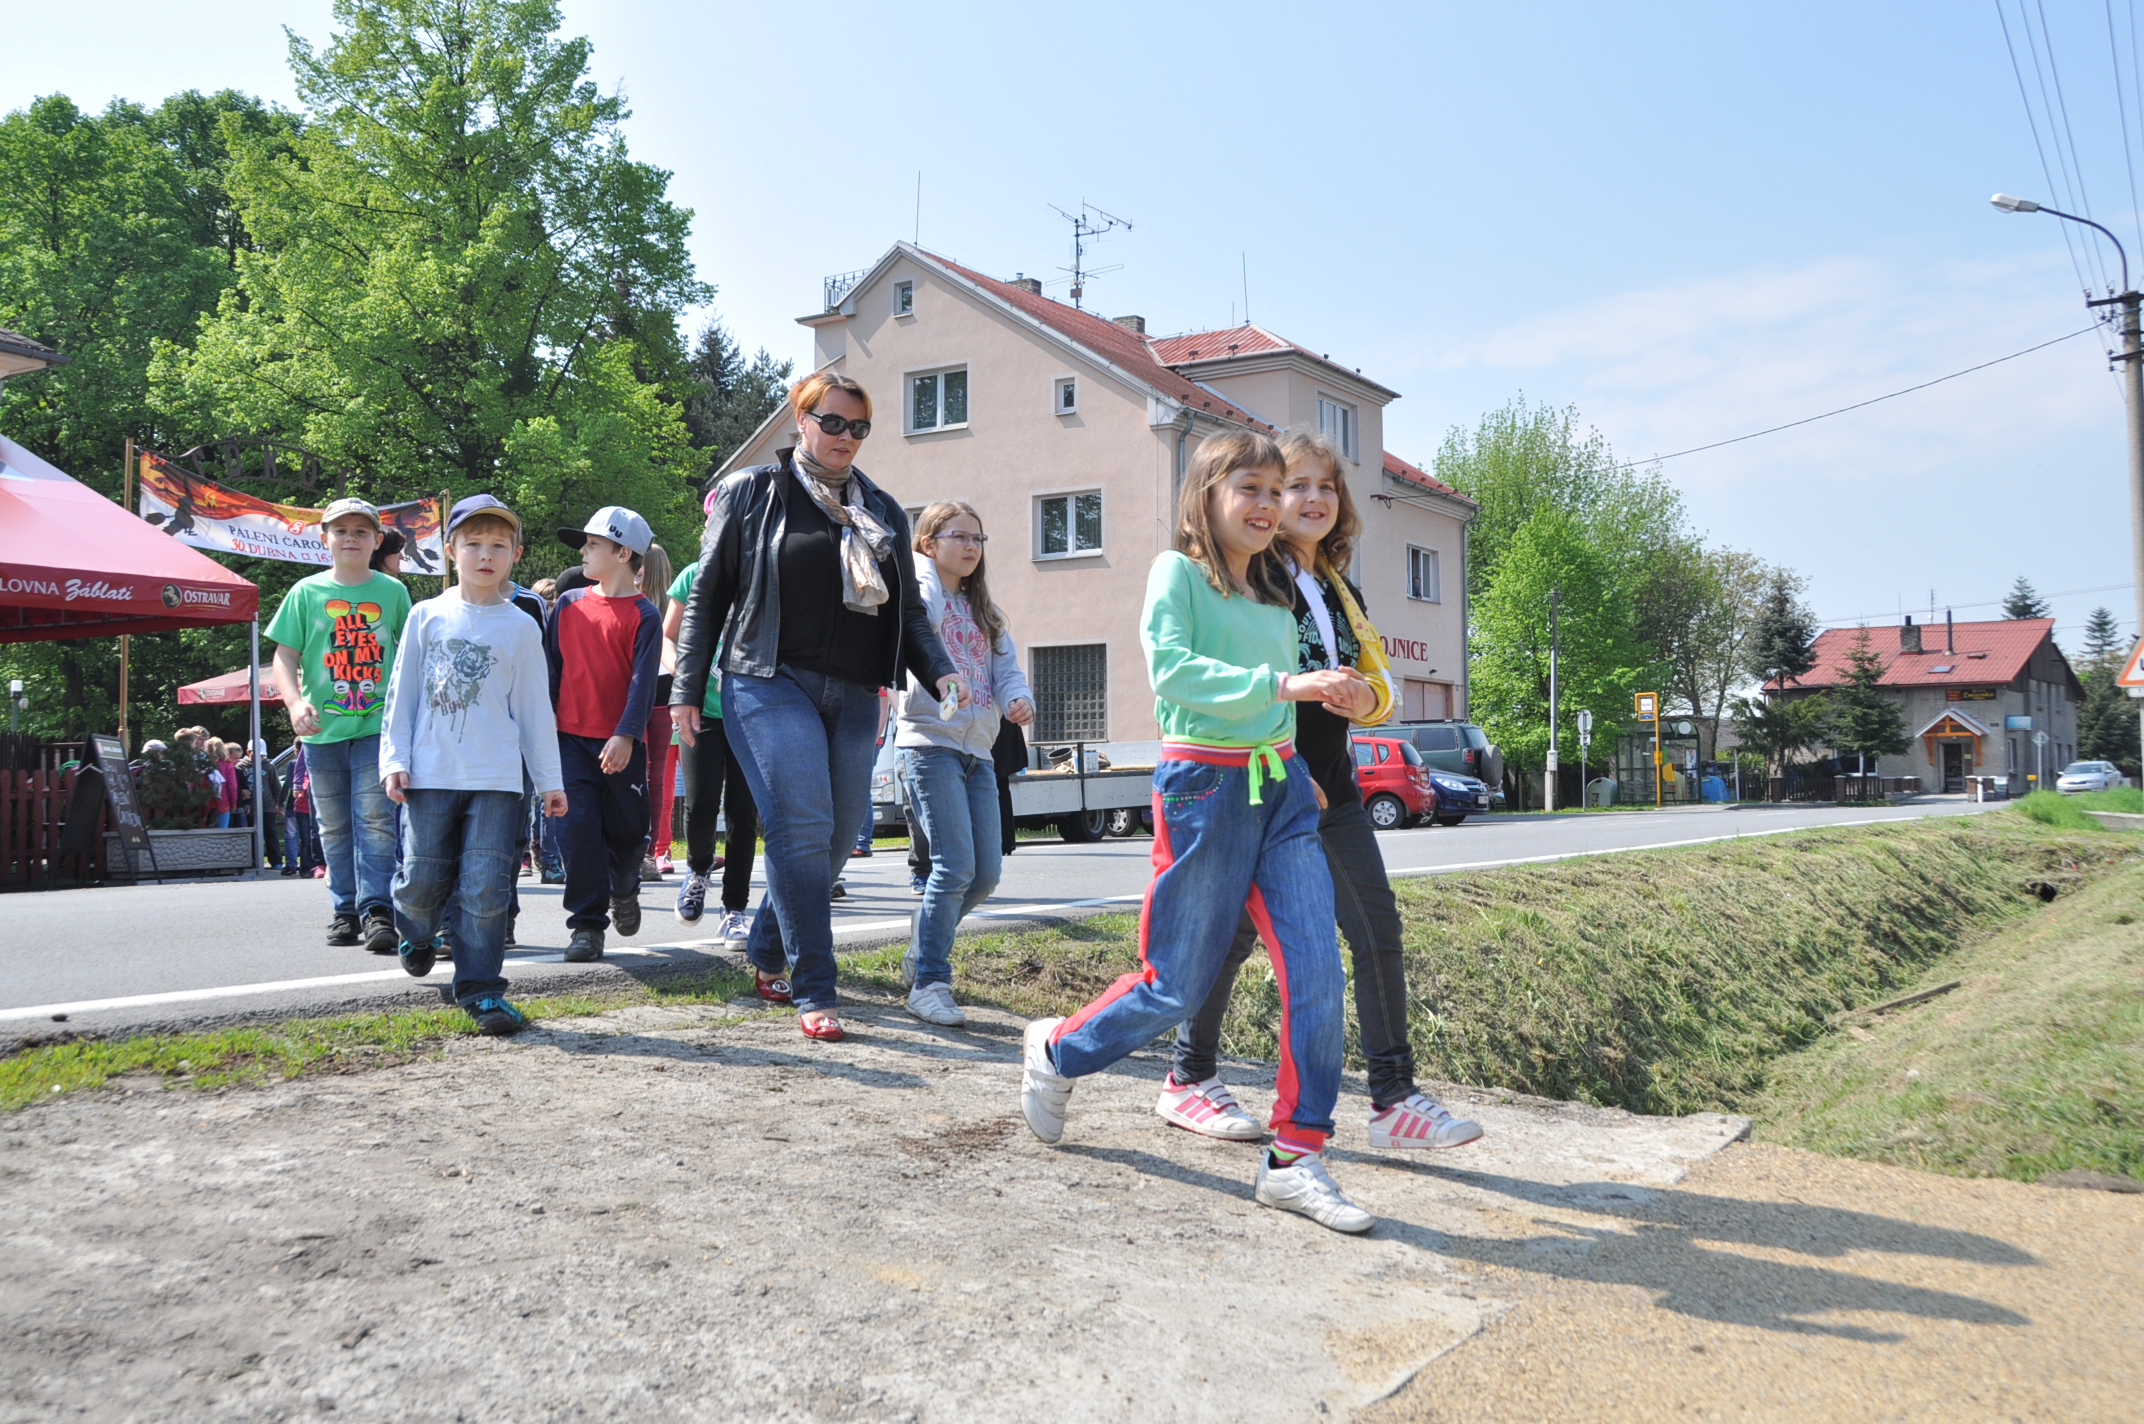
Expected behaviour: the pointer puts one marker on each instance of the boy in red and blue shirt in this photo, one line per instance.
(604, 642)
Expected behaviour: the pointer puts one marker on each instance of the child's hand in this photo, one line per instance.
(616, 753)
(1361, 699)
(1328, 686)
(554, 804)
(952, 687)
(1021, 712)
(397, 786)
(304, 720)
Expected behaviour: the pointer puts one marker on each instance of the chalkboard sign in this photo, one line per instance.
(126, 811)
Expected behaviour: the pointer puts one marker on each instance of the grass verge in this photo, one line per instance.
(2034, 1064)
(220, 1058)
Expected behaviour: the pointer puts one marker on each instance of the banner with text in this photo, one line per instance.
(207, 515)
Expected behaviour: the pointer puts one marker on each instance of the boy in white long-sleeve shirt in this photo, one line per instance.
(468, 707)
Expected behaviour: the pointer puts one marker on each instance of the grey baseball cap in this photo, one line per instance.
(613, 522)
(350, 505)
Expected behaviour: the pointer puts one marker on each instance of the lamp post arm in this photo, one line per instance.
(2118, 250)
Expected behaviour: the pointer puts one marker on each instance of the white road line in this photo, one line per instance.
(1046, 908)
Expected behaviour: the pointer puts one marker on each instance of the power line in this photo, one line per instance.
(1857, 405)
(1990, 602)
(2121, 108)
(2076, 159)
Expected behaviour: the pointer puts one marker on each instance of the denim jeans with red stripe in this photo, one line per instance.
(1216, 855)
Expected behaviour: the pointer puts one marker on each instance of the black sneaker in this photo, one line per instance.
(511, 942)
(496, 1018)
(380, 934)
(839, 891)
(290, 872)
(343, 930)
(418, 959)
(625, 915)
(585, 947)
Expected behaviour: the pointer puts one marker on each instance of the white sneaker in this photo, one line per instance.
(1207, 1109)
(1043, 1090)
(1307, 1189)
(736, 926)
(933, 1003)
(1420, 1122)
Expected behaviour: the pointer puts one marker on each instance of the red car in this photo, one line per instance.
(1396, 788)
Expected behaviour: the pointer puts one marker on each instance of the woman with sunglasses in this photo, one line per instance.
(807, 585)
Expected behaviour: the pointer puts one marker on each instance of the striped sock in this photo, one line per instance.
(1292, 1143)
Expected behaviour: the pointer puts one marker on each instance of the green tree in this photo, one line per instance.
(730, 396)
(1601, 660)
(1781, 642)
(1705, 644)
(1779, 727)
(1866, 721)
(2023, 601)
(2107, 723)
(461, 280)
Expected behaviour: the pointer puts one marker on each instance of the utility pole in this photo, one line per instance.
(1548, 792)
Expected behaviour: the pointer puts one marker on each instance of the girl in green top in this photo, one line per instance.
(1235, 826)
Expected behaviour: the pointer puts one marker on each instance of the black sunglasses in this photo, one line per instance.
(840, 424)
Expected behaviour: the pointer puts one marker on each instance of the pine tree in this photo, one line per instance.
(1865, 720)
(2102, 639)
(2107, 728)
(2024, 601)
(1781, 646)
(730, 396)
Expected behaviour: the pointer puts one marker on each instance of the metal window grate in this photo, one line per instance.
(1071, 693)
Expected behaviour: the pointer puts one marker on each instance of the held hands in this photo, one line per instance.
(616, 753)
(554, 804)
(687, 722)
(304, 718)
(1021, 712)
(396, 785)
(1344, 691)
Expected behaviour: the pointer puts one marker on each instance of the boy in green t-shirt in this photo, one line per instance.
(336, 634)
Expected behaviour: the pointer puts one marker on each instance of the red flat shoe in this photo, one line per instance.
(774, 991)
(826, 1030)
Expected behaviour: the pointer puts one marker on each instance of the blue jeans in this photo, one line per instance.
(955, 796)
(1216, 855)
(805, 742)
(463, 845)
(357, 823)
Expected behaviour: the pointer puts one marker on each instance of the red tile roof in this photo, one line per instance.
(1119, 345)
(1236, 341)
(1415, 475)
(1985, 653)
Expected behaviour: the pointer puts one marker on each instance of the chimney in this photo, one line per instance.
(1949, 646)
(1031, 285)
(1909, 637)
(1131, 323)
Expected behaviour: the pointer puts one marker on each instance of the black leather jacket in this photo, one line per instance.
(737, 597)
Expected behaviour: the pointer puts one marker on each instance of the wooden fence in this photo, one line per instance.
(33, 813)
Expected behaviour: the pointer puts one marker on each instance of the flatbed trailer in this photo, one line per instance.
(1084, 806)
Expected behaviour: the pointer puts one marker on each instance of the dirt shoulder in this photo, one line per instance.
(664, 1213)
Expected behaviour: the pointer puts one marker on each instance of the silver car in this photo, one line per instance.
(2090, 776)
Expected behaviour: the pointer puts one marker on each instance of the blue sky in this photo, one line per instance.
(1688, 221)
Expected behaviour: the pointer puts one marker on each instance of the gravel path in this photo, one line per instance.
(666, 1214)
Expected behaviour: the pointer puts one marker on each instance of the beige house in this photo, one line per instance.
(1070, 434)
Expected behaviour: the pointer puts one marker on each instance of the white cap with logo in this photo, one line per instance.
(613, 522)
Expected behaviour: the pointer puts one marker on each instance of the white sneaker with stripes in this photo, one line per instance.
(1418, 1121)
(1209, 1109)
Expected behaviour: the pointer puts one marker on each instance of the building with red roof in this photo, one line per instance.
(1070, 434)
(1973, 696)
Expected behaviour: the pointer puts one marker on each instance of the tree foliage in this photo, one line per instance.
(1866, 721)
(2107, 722)
(2024, 601)
(461, 281)
(730, 397)
(1780, 727)
(1782, 640)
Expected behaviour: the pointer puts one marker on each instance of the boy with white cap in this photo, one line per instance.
(605, 647)
(336, 634)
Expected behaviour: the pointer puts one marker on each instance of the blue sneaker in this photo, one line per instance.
(496, 1018)
(692, 897)
(418, 959)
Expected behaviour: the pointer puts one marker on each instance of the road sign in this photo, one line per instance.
(1648, 706)
(2039, 739)
(2132, 674)
(1585, 727)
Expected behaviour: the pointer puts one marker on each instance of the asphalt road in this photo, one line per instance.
(130, 957)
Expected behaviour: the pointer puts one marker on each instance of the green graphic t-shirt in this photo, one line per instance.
(345, 636)
(710, 704)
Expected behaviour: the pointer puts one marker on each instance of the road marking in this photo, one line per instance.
(1041, 909)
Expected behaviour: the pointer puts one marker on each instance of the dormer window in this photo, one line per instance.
(1336, 422)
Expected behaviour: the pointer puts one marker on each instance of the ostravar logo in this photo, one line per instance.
(171, 595)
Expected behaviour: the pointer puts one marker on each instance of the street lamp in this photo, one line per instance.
(15, 703)
(2131, 357)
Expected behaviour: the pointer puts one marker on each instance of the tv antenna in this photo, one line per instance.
(1088, 224)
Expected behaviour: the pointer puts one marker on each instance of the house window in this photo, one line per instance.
(1067, 397)
(1067, 525)
(938, 399)
(1337, 423)
(904, 298)
(1071, 692)
(1422, 575)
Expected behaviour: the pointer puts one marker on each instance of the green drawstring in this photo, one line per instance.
(1269, 754)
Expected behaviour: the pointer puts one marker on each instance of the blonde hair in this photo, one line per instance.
(1215, 460)
(813, 388)
(1336, 551)
(655, 572)
(934, 518)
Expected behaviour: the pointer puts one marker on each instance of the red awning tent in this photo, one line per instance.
(75, 565)
(230, 687)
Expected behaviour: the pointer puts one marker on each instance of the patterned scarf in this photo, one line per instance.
(864, 541)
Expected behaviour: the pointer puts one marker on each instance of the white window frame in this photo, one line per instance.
(904, 298)
(1436, 566)
(1058, 389)
(908, 398)
(1349, 436)
(1109, 661)
(1071, 524)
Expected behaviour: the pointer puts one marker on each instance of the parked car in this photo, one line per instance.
(1396, 789)
(1459, 797)
(2090, 776)
(1457, 747)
